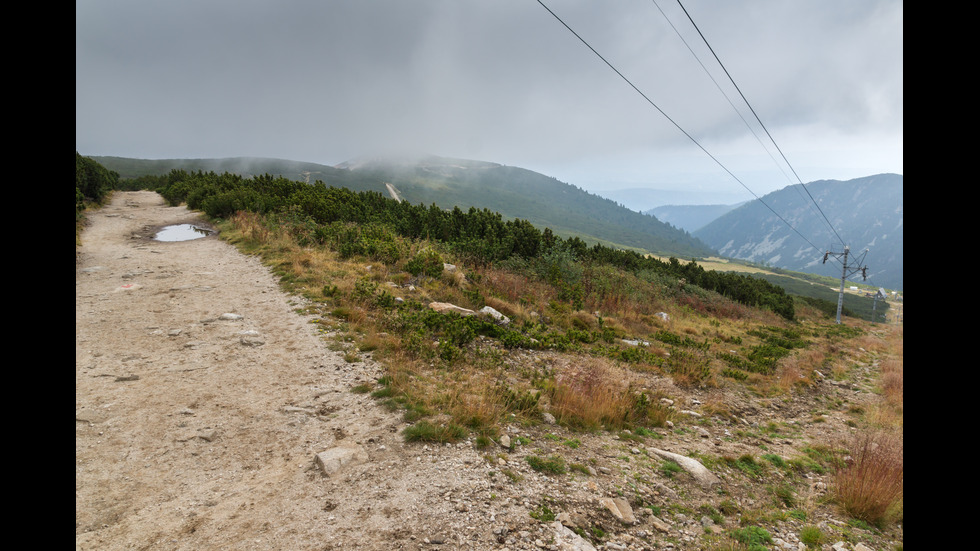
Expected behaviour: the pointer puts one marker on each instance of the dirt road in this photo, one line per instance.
(199, 430)
(203, 401)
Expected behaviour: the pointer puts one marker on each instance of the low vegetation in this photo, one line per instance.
(589, 331)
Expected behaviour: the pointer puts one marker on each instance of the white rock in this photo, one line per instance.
(332, 460)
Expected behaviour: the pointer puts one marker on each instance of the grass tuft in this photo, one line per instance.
(870, 487)
(425, 431)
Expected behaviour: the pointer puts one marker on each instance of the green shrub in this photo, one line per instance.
(753, 536)
(543, 513)
(424, 431)
(811, 536)
(670, 468)
(775, 460)
(426, 262)
(554, 464)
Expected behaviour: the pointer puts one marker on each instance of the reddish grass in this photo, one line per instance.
(590, 396)
(872, 483)
(893, 381)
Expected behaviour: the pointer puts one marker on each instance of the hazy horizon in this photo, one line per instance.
(504, 82)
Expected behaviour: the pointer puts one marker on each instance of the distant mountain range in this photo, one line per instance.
(690, 217)
(513, 192)
(649, 198)
(783, 229)
(792, 228)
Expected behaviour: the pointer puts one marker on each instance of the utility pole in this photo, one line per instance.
(845, 274)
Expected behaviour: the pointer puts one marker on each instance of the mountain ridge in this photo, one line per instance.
(514, 192)
(862, 213)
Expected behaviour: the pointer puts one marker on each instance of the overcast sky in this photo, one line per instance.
(505, 81)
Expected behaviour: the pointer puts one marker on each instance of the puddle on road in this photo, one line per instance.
(181, 232)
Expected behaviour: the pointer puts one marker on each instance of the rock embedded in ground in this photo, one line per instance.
(445, 308)
(567, 540)
(705, 478)
(620, 508)
(331, 461)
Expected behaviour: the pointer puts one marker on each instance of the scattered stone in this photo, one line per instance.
(574, 520)
(659, 525)
(445, 307)
(331, 461)
(567, 540)
(126, 378)
(500, 318)
(663, 316)
(294, 409)
(620, 508)
(548, 418)
(635, 342)
(251, 338)
(230, 317)
(664, 490)
(505, 441)
(706, 478)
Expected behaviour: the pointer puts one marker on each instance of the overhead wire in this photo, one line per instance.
(672, 121)
(718, 86)
(749, 105)
(737, 110)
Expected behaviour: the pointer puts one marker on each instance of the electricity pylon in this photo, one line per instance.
(845, 274)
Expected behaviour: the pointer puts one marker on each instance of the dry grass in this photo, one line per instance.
(893, 382)
(798, 369)
(481, 407)
(871, 486)
(595, 392)
(590, 395)
(888, 412)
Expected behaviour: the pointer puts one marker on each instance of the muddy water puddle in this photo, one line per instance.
(182, 232)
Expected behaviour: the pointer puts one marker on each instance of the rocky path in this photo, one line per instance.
(202, 400)
(210, 415)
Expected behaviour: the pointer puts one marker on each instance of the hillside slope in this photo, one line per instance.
(513, 192)
(198, 430)
(867, 213)
(542, 200)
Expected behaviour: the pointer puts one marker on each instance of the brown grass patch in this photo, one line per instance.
(871, 486)
(590, 395)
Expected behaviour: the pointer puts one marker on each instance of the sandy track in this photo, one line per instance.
(196, 432)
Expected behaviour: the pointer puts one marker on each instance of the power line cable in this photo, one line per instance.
(737, 110)
(644, 96)
(757, 118)
(720, 89)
